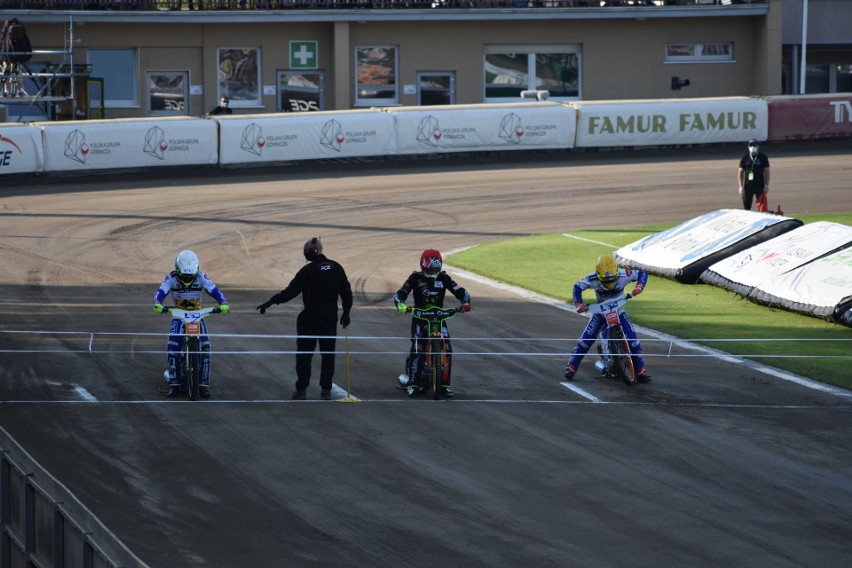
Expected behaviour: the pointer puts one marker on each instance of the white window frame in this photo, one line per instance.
(530, 51)
(699, 52)
(121, 74)
(377, 102)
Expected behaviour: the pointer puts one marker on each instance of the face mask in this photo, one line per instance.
(752, 149)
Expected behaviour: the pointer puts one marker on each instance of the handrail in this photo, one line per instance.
(166, 5)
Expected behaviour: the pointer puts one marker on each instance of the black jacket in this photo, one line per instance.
(319, 282)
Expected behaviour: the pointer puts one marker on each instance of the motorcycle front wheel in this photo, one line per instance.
(622, 362)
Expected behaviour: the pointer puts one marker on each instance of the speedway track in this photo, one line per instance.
(713, 463)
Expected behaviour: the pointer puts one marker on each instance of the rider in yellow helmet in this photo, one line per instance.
(608, 281)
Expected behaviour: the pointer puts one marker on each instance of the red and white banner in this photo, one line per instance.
(684, 252)
(821, 288)
(760, 265)
(810, 117)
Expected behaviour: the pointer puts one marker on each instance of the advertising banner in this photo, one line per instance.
(465, 128)
(809, 117)
(767, 261)
(692, 121)
(687, 250)
(21, 150)
(304, 136)
(131, 143)
(821, 288)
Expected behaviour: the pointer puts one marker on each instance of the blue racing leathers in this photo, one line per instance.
(597, 323)
(188, 297)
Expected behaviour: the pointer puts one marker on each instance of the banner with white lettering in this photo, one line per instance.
(759, 265)
(809, 117)
(304, 136)
(128, 143)
(21, 150)
(463, 128)
(687, 250)
(821, 288)
(688, 121)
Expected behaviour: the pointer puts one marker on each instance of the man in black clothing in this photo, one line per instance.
(753, 177)
(319, 282)
(223, 107)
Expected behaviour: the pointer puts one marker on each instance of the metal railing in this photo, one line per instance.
(43, 524)
(158, 5)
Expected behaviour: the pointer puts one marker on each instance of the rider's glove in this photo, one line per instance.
(465, 307)
(638, 289)
(345, 320)
(581, 307)
(159, 308)
(226, 309)
(263, 307)
(401, 307)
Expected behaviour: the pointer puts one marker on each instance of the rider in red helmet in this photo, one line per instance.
(429, 286)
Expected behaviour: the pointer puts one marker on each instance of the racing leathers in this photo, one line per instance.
(597, 323)
(428, 292)
(187, 297)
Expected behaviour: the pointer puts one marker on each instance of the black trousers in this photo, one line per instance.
(306, 325)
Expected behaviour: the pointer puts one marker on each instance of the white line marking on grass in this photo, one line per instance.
(580, 391)
(570, 236)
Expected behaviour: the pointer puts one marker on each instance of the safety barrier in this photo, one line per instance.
(42, 523)
(653, 347)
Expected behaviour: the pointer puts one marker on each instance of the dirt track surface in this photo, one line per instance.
(712, 464)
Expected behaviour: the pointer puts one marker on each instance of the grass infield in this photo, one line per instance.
(550, 264)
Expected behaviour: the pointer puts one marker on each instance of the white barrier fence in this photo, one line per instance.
(234, 140)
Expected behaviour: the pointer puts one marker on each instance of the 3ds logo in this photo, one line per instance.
(842, 108)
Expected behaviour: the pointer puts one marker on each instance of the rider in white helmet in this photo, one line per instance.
(187, 283)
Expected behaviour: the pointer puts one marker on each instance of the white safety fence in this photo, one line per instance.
(652, 347)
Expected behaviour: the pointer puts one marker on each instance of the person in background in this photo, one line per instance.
(223, 107)
(187, 283)
(753, 177)
(320, 282)
(608, 281)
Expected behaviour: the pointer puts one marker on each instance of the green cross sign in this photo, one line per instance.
(303, 55)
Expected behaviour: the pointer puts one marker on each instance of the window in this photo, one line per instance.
(512, 69)
(301, 91)
(375, 76)
(699, 52)
(168, 93)
(119, 70)
(239, 76)
(438, 88)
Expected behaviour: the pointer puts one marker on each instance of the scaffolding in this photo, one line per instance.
(54, 89)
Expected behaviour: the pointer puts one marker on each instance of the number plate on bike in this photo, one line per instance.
(612, 318)
(193, 328)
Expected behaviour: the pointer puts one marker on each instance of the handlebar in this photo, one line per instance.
(202, 312)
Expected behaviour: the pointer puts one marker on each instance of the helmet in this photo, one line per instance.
(607, 271)
(313, 247)
(431, 262)
(186, 266)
